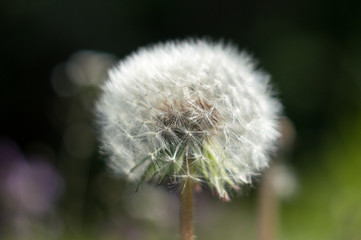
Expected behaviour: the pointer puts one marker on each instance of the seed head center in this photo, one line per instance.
(196, 117)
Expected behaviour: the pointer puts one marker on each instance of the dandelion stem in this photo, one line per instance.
(186, 210)
(186, 201)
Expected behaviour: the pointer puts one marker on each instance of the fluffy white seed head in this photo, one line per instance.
(188, 109)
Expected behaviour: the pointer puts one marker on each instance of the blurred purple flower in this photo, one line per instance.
(30, 185)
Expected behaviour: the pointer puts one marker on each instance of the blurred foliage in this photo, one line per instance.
(328, 205)
(56, 53)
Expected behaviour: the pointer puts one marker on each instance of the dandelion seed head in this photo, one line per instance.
(192, 102)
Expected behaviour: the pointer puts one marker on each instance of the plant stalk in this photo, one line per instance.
(186, 210)
(186, 201)
(268, 209)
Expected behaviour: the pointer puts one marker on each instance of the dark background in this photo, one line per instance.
(312, 49)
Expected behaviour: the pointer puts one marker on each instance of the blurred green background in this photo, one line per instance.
(54, 55)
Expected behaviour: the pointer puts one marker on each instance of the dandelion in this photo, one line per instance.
(189, 112)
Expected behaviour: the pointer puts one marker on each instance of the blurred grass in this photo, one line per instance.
(328, 206)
